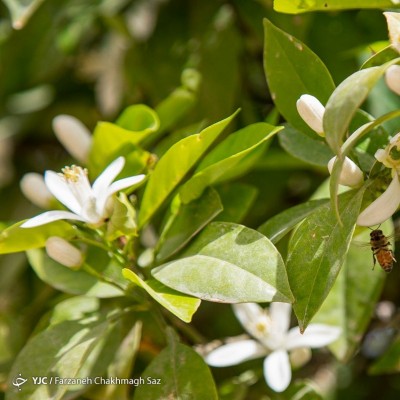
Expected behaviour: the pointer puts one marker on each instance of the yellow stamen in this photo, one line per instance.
(73, 173)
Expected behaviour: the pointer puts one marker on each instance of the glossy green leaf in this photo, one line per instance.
(14, 238)
(300, 6)
(312, 150)
(345, 100)
(179, 304)
(123, 218)
(59, 351)
(21, 11)
(185, 221)
(389, 362)
(183, 375)
(70, 281)
(316, 253)
(237, 200)
(292, 70)
(174, 165)
(351, 302)
(229, 263)
(230, 155)
(279, 225)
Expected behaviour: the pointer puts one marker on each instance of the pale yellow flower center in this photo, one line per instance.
(73, 173)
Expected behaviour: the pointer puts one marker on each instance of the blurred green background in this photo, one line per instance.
(91, 59)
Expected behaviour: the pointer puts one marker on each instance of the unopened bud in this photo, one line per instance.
(74, 136)
(351, 175)
(392, 78)
(300, 356)
(393, 22)
(63, 252)
(383, 207)
(312, 112)
(35, 190)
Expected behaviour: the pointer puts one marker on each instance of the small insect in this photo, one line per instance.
(380, 246)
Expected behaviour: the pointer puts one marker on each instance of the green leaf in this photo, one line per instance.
(300, 6)
(183, 375)
(174, 165)
(237, 200)
(179, 304)
(316, 253)
(312, 150)
(140, 120)
(279, 225)
(345, 100)
(351, 302)
(185, 221)
(123, 218)
(229, 263)
(59, 351)
(230, 155)
(21, 11)
(292, 70)
(122, 365)
(70, 281)
(389, 363)
(381, 57)
(14, 238)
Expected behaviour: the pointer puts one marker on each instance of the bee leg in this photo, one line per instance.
(373, 258)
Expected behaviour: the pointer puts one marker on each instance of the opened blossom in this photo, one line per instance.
(88, 203)
(272, 339)
(388, 202)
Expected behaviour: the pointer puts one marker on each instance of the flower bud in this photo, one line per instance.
(392, 78)
(351, 175)
(312, 112)
(35, 190)
(63, 252)
(73, 135)
(393, 22)
(383, 207)
(300, 356)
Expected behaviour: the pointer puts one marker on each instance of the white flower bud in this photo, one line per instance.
(383, 207)
(393, 22)
(312, 112)
(351, 175)
(392, 78)
(74, 136)
(300, 356)
(35, 190)
(63, 252)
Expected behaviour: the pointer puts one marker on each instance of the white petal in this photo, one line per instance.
(125, 183)
(393, 22)
(312, 112)
(248, 314)
(235, 353)
(316, 335)
(383, 207)
(104, 180)
(280, 315)
(381, 155)
(351, 175)
(61, 191)
(33, 187)
(50, 216)
(392, 78)
(277, 370)
(73, 135)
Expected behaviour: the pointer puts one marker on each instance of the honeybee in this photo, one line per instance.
(380, 246)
